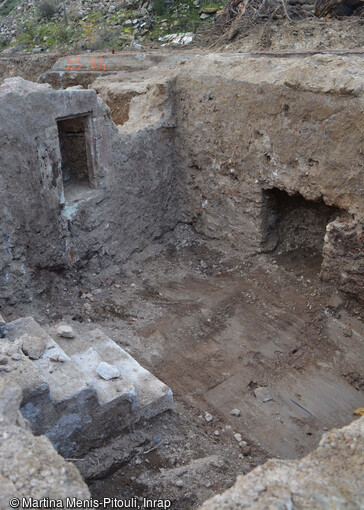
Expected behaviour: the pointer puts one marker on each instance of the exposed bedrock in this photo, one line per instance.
(330, 477)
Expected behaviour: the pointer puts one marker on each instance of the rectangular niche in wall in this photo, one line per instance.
(76, 153)
(294, 228)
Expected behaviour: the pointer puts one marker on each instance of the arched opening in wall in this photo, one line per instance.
(294, 229)
(76, 153)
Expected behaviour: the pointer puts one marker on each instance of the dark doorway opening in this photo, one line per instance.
(74, 141)
(294, 229)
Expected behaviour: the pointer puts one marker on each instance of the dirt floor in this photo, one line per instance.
(262, 336)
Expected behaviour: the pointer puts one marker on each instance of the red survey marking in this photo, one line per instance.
(100, 66)
(74, 64)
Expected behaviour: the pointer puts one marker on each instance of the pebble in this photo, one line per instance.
(235, 412)
(65, 332)
(246, 450)
(107, 371)
(238, 437)
(216, 433)
(33, 346)
(16, 356)
(179, 483)
(208, 417)
(263, 394)
(348, 332)
(5, 368)
(3, 361)
(61, 358)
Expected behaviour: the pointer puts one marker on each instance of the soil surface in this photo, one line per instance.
(262, 336)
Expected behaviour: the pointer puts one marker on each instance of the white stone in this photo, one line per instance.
(238, 438)
(32, 346)
(65, 332)
(235, 412)
(208, 417)
(263, 394)
(107, 371)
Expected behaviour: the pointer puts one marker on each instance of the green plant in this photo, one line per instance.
(159, 7)
(4, 41)
(8, 6)
(47, 9)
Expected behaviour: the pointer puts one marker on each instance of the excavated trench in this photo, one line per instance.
(231, 271)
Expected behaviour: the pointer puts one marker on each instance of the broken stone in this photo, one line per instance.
(33, 346)
(179, 483)
(263, 394)
(348, 332)
(238, 437)
(16, 356)
(2, 321)
(5, 368)
(3, 361)
(10, 399)
(216, 433)
(61, 358)
(65, 332)
(107, 371)
(208, 417)
(235, 412)
(246, 449)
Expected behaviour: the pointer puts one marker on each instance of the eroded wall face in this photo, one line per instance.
(241, 132)
(50, 226)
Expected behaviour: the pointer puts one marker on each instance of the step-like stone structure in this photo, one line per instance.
(65, 398)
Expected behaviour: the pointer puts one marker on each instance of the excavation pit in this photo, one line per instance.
(166, 259)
